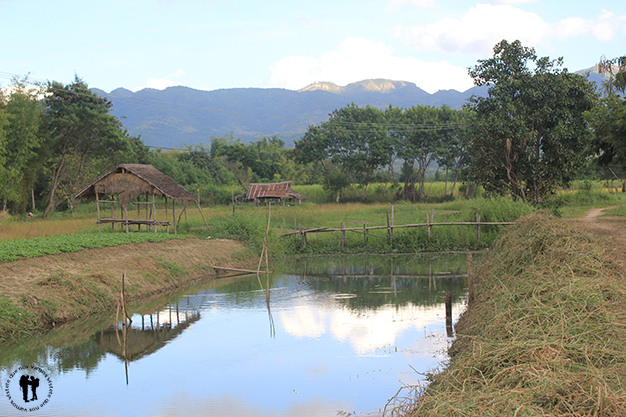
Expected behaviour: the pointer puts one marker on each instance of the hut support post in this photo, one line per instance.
(153, 211)
(112, 214)
(139, 213)
(126, 216)
(98, 209)
(202, 214)
(174, 214)
(167, 219)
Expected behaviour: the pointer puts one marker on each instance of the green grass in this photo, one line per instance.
(29, 248)
(15, 319)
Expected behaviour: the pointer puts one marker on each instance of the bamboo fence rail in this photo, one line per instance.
(365, 230)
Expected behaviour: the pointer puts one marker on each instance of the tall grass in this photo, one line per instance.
(545, 335)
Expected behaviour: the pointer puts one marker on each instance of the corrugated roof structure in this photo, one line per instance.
(281, 190)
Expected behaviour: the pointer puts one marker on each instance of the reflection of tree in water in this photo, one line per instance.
(85, 355)
(379, 281)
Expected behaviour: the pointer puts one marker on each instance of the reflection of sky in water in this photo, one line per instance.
(325, 357)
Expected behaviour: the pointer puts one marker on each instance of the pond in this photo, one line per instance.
(332, 336)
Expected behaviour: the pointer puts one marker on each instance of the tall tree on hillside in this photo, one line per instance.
(21, 149)
(86, 138)
(529, 134)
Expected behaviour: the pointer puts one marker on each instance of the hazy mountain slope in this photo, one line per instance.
(182, 115)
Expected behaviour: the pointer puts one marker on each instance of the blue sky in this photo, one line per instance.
(214, 44)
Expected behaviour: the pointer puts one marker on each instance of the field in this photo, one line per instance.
(247, 223)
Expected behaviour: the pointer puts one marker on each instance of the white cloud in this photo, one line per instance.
(482, 27)
(508, 1)
(424, 4)
(357, 59)
(162, 83)
(604, 28)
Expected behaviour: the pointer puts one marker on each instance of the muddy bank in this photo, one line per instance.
(45, 291)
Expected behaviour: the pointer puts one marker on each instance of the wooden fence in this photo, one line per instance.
(365, 230)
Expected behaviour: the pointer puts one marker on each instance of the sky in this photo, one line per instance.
(219, 44)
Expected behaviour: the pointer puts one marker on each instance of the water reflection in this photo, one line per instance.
(320, 336)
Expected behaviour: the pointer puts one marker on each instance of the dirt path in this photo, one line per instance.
(610, 229)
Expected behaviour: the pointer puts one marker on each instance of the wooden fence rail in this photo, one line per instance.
(389, 227)
(360, 229)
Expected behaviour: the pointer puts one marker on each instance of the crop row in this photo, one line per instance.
(53, 245)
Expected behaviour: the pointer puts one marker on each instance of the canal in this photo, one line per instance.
(322, 336)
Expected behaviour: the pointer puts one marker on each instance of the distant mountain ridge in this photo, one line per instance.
(182, 115)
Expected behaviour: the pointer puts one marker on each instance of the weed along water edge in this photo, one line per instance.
(322, 336)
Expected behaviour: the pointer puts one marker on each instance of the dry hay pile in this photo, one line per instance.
(546, 334)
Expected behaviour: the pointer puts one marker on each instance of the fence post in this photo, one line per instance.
(364, 235)
(428, 222)
(388, 228)
(478, 225)
(392, 212)
(449, 331)
(343, 234)
(302, 235)
(470, 278)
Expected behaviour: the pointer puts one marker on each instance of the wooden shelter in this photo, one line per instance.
(131, 182)
(273, 191)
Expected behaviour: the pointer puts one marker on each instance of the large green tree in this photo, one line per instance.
(528, 135)
(423, 136)
(21, 143)
(86, 139)
(354, 138)
(609, 117)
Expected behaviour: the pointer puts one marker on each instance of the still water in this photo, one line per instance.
(332, 336)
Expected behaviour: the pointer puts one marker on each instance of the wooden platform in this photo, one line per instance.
(103, 220)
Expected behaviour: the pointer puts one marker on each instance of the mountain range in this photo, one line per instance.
(175, 116)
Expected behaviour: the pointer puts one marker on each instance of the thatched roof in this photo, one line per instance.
(280, 190)
(131, 180)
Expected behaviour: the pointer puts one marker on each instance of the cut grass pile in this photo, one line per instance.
(30, 248)
(545, 335)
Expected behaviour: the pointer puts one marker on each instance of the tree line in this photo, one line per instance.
(536, 129)
(57, 138)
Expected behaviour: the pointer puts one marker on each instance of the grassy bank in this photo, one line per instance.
(545, 335)
(41, 292)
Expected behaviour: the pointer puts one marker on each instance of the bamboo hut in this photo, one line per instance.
(131, 182)
(262, 193)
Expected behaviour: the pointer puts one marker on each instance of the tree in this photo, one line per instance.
(609, 117)
(86, 139)
(22, 156)
(354, 138)
(528, 136)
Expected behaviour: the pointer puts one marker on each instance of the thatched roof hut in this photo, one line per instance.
(132, 180)
(277, 190)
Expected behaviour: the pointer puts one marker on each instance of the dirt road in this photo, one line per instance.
(612, 230)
